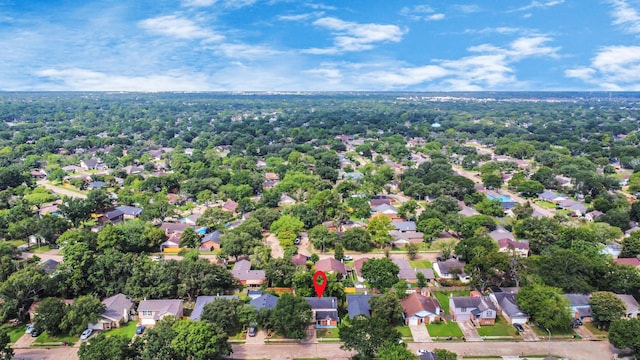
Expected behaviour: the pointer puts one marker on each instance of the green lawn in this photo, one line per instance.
(45, 338)
(546, 204)
(16, 243)
(404, 331)
(500, 328)
(443, 330)
(443, 298)
(328, 333)
(15, 332)
(420, 264)
(541, 332)
(127, 330)
(594, 329)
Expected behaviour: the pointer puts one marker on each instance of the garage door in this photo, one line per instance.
(413, 321)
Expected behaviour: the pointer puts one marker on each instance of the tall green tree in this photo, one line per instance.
(291, 316)
(606, 307)
(189, 239)
(102, 347)
(380, 274)
(545, 305)
(387, 307)
(85, 310)
(200, 340)
(366, 335)
(378, 229)
(50, 315)
(625, 334)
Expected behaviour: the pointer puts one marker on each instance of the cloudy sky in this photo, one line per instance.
(378, 45)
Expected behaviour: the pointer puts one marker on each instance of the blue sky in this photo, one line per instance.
(289, 45)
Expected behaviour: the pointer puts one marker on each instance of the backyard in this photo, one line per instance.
(420, 264)
(443, 298)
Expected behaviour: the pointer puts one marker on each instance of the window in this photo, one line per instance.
(147, 313)
(464, 309)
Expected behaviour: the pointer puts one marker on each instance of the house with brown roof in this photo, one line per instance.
(150, 311)
(247, 277)
(420, 309)
(299, 260)
(357, 267)
(635, 262)
(331, 265)
(230, 205)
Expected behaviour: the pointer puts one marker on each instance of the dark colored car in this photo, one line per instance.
(140, 329)
(35, 332)
(252, 331)
(518, 327)
(297, 241)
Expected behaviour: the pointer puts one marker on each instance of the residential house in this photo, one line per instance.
(420, 309)
(230, 205)
(357, 267)
(520, 248)
(352, 176)
(358, 304)
(150, 311)
(113, 217)
(551, 196)
(91, 164)
(170, 228)
(410, 274)
(401, 238)
(501, 233)
(271, 176)
(385, 209)
(210, 241)
(96, 185)
(72, 168)
(51, 209)
(299, 260)
(49, 266)
(405, 226)
(286, 200)
(191, 219)
(426, 355)
(507, 305)
(593, 215)
(118, 310)
(468, 211)
(580, 306)
(325, 311)
(132, 169)
(451, 269)
(631, 306)
(375, 202)
(635, 262)
(201, 301)
(172, 242)
(38, 174)
(266, 301)
(331, 265)
(574, 206)
(247, 277)
(475, 309)
(130, 212)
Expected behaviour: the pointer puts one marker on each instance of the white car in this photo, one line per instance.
(85, 334)
(29, 329)
(347, 258)
(421, 351)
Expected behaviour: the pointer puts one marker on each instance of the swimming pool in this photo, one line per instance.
(502, 198)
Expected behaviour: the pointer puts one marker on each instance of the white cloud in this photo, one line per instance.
(301, 17)
(624, 14)
(82, 79)
(245, 51)
(613, 68)
(421, 12)
(540, 5)
(225, 3)
(505, 30)
(521, 47)
(178, 27)
(467, 9)
(351, 36)
(198, 3)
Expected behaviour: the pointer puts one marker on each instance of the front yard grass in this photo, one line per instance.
(500, 328)
(45, 339)
(327, 333)
(420, 264)
(594, 329)
(14, 332)
(451, 328)
(546, 204)
(563, 333)
(127, 330)
(404, 331)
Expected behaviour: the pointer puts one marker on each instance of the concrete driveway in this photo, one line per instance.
(420, 333)
(258, 339)
(469, 331)
(24, 342)
(528, 334)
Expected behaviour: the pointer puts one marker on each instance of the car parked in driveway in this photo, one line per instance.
(85, 334)
(252, 331)
(29, 329)
(140, 329)
(35, 332)
(518, 327)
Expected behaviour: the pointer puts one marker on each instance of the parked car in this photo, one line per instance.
(156, 258)
(29, 329)
(85, 334)
(297, 241)
(252, 331)
(576, 323)
(518, 327)
(140, 329)
(347, 258)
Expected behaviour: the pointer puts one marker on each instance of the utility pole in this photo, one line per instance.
(548, 342)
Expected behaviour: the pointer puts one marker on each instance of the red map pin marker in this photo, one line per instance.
(319, 287)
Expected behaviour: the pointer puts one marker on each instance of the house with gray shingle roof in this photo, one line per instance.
(358, 304)
(247, 277)
(580, 306)
(507, 305)
(446, 269)
(118, 309)
(325, 311)
(266, 301)
(630, 304)
(476, 309)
